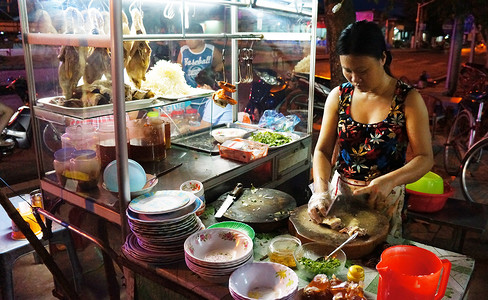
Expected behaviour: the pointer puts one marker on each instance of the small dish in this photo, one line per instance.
(137, 176)
(281, 249)
(235, 225)
(160, 202)
(311, 253)
(151, 182)
(223, 134)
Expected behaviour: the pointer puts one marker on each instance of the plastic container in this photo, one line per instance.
(26, 213)
(193, 117)
(281, 249)
(410, 272)
(423, 202)
(430, 183)
(80, 137)
(85, 169)
(147, 142)
(61, 163)
(106, 143)
(243, 150)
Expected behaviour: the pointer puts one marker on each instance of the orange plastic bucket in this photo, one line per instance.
(411, 273)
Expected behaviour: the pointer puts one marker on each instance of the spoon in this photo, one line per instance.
(352, 237)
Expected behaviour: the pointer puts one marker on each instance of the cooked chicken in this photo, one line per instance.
(97, 64)
(41, 22)
(127, 44)
(333, 222)
(140, 54)
(71, 68)
(94, 22)
(350, 230)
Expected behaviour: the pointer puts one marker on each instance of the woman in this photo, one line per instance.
(372, 118)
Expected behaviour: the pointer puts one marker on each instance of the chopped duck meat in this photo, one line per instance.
(333, 222)
(321, 288)
(350, 230)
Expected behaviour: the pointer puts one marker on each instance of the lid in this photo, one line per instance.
(63, 154)
(80, 129)
(153, 114)
(191, 111)
(84, 154)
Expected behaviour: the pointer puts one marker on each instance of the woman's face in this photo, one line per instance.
(364, 72)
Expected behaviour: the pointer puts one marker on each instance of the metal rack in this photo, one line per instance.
(114, 41)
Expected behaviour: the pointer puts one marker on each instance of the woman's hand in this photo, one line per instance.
(318, 206)
(378, 190)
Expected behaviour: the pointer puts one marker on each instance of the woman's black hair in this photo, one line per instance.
(209, 77)
(364, 38)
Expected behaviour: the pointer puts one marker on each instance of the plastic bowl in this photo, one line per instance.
(423, 202)
(430, 183)
(314, 251)
(218, 246)
(281, 249)
(137, 176)
(263, 280)
(223, 134)
(236, 225)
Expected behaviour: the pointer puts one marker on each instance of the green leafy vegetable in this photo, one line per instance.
(320, 266)
(272, 139)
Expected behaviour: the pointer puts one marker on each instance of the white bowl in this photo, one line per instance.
(137, 176)
(218, 247)
(223, 134)
(263, 280)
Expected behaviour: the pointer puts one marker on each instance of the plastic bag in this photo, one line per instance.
(277, 121)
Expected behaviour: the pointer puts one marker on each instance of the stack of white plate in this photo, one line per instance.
(215, 253)
(160, 223)
(263, 280)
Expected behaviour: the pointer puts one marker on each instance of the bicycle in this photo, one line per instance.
(463, 152)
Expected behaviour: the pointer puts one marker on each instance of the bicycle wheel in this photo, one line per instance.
(457, 142)
(474, 173)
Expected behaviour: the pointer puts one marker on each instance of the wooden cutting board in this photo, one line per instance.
(262, 208)
(375, 224)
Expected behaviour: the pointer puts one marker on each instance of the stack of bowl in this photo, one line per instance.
(429, 193)
(215, 253)
(263, 280)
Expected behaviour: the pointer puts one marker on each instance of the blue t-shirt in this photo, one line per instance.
(193, 63)
(218, 114)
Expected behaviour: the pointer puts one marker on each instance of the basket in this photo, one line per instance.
(424, 202)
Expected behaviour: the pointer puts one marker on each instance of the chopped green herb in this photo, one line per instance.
(320, 266)
(272, 139)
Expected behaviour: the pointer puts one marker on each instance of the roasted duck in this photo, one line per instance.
(97, 64)
(71, 68)
(127, 44)
(140, 53)
(323, 288)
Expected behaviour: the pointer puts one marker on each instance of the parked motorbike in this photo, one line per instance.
(287, 95)
(18, 132)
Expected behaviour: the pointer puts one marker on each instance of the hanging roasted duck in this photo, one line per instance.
(72, 58)
(140, 53)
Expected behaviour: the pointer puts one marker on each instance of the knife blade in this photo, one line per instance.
(231, 197)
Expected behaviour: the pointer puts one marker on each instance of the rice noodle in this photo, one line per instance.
(166, 79)
(303, 66)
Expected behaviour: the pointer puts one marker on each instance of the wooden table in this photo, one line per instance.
(145, 280)
(461, 215)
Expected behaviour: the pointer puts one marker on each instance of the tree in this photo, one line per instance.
(335, 23)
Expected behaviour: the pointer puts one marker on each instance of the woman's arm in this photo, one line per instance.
(322, 156)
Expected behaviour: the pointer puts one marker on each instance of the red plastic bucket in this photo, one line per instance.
(424, 202)
(411, 273)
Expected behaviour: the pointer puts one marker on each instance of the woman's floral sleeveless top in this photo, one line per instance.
(371, 150)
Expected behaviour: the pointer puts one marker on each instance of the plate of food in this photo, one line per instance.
(274, 139)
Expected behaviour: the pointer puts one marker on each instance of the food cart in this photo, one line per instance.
(261, 41)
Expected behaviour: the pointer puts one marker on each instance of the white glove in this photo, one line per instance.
(319, 205)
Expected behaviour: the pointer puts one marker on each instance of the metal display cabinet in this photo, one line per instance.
(253, 36)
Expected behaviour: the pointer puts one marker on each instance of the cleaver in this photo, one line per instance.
(231, 197)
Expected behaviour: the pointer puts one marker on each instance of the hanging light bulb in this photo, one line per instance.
(337, 7)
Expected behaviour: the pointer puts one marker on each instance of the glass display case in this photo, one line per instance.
(115, 62)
